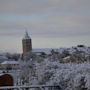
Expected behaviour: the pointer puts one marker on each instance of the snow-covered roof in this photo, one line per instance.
(3, 57)
(46, 50)
(26, 36)
(68, 57)
(10, 62)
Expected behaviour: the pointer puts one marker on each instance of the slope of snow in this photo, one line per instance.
(46, 50)
(71, 50)
(10, 62)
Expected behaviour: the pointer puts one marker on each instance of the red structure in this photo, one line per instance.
(6, 80)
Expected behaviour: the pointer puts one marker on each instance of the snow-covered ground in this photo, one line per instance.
(71, 76)
(51, 70)
(71, 50)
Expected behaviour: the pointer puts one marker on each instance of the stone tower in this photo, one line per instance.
(26, 43)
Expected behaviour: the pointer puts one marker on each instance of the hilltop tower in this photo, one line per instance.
(26, 43)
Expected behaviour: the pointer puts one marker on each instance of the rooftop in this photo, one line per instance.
(10, 62)
(26, 36)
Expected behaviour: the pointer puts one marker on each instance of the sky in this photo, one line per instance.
(50, 23)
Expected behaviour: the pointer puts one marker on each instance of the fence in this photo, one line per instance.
(34, 87)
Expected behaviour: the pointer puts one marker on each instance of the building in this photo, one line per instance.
(27, 43)
(6, 80)
(9, 65)
(3, 58)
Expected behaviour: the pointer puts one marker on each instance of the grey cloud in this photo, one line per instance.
(23, 6)
(10, 34)
(55, 26)
(42, 6)
(66, 17)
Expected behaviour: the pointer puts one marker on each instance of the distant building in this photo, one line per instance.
(10, 65)
(26, 43)
(3, 58)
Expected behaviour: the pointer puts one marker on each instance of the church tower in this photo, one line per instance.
(26, 43)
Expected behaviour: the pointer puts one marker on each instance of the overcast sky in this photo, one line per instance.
(50, 23)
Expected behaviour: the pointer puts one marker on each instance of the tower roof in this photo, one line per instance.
(26, 36)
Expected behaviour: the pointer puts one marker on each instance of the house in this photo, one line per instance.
(9, 65)
(3, 58)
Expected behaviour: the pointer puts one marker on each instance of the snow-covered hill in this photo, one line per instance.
(71, 50)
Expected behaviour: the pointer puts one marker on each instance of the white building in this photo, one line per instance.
(10, 64)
